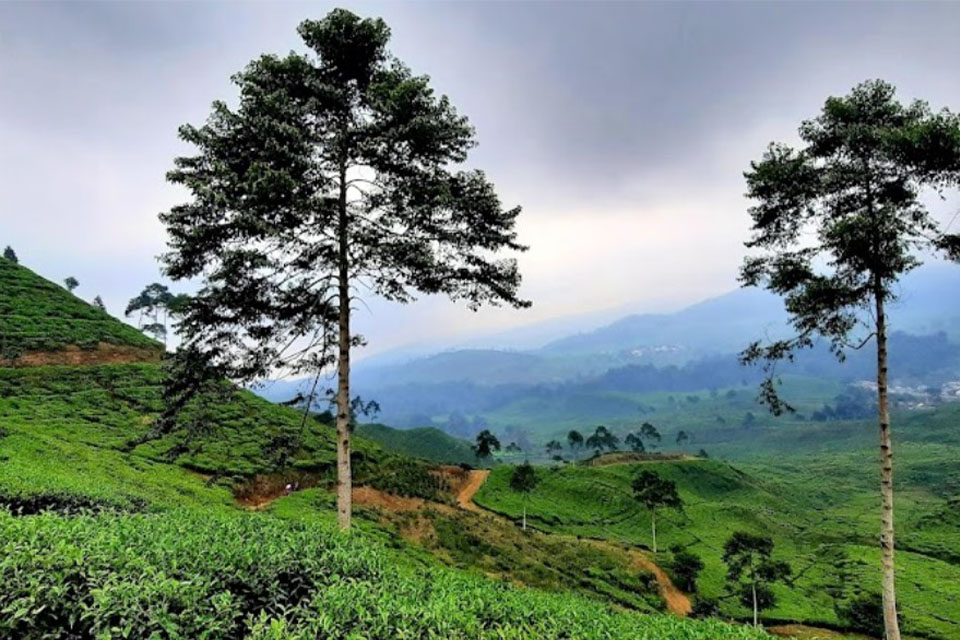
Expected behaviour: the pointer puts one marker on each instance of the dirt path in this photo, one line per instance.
(677, 601)
(474, 482)
(74, 356)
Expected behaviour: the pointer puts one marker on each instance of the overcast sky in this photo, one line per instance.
(622, 129)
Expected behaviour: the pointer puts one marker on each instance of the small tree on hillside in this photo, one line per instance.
(98, 303)
(837, 224)
(524, 480)
(682, 438)
(635, 442)
(71, 283)
(338, 170)
(513, 447)
(752, 570)
(157, 305)
(650, 434)
(10, 254)
(602, 438)
(575, 440)
(654, 492)
(553, 445)
(685, 567)
(486, 444)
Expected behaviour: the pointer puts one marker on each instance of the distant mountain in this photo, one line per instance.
(588, 373)
(729, 322)
(718, 325)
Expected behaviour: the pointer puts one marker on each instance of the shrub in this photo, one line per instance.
(225, 576)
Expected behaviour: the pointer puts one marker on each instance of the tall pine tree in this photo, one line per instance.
(836, 224)
(337, 172)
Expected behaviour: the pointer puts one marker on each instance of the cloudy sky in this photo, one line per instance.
(622, 129)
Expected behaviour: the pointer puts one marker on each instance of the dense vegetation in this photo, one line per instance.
(230, 575)
(38, 315)
(429, 443)
(620, 394)
(135, 543)
(817, 510)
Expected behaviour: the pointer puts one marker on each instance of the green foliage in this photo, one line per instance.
(10, 254)
(863, 613)
(554, 563)
(406, 477)
(222, 574)
(752, 570)
(654, 492)
(109, 406)
(858, 185)
(276, 171)
(71, 283)
(684, 569)
(602, 438)
(428, 443)
(37, 315)
(524, 478)
(811, 504)
(486, 444)
(635, 442)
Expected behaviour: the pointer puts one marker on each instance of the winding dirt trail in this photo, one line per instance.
(677, 601)
(474, 481)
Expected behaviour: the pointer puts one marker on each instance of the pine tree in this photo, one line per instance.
(855, 189)
(337, 170)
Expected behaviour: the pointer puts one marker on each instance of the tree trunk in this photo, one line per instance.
(890, 624)
(524, 515)
(344, 477)
(756, 619)
(653, 526)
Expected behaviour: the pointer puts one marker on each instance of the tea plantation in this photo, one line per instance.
(38, 315)
(98, 540)
(820, 511)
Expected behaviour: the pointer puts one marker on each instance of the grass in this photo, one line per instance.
(146, 543)
(428, 443)
(820, 516)
(38, 315)
(227, 575)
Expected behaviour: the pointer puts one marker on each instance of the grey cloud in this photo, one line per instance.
(623, 128)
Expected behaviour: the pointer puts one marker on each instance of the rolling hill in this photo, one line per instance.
(103, 536)
(820, 511)
(428, 443)
(43, 323)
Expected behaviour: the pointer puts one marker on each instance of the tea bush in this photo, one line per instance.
(220, 575)
(38, 315)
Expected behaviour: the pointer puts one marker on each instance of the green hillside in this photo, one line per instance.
(821, 513)
(428, 443)
(150, 542)
(38, 315)
(103, 537)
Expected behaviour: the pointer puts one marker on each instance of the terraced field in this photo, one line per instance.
(821, 518)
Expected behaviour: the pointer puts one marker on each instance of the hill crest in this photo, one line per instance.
(42, 324)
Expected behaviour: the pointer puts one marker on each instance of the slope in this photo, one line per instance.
(821, 517)
(43, 323)
(428, 443)
(149, 542)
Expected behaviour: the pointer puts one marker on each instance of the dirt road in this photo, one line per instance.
(474, 482)
(677, 601)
